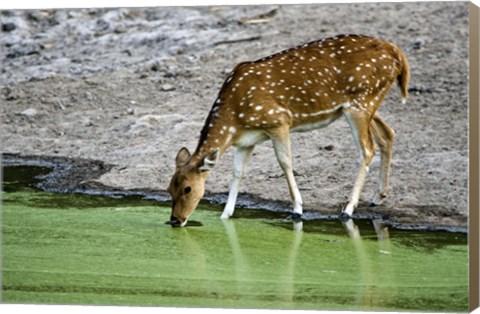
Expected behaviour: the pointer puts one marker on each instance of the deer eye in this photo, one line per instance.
(187, 190)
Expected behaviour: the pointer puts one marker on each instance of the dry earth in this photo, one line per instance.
(129, 87)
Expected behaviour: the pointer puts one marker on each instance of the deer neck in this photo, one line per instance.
(217, 133)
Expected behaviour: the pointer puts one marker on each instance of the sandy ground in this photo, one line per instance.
(130, 87)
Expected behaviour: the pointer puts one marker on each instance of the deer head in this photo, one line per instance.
(188, 184)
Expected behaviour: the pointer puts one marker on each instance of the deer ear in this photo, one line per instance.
(182, 156)
(209, 161)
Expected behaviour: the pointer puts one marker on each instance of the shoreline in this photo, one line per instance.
(83, 172)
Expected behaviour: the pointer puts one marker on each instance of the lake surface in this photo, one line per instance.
(90, 249)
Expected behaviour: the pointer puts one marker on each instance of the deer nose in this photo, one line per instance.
(174, 222)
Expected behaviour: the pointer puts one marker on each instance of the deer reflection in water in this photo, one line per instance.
(370, 294)
(242, 274)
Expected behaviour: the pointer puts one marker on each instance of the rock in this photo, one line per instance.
(44, 17)
(131, 111)
(7, 13)
(24, 48)
(8, 27)
(419, 43)
(167, 88)
(8, 93)
(171, 72)
(29, 113)
(59, 104)
(155, 66)
(420, 88)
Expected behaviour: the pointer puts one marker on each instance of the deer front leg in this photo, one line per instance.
(242, 155)
(359, 123)
(281, 145)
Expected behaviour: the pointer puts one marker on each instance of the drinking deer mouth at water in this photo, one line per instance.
(296, 90)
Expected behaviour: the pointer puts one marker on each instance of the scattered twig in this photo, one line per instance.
(234, 41)
(260, 18)
(255, 21)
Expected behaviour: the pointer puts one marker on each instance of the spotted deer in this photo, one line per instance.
(296, 90)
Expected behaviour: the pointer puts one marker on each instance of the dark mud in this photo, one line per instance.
(66, 175)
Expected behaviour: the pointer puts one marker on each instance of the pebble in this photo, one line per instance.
(167, 87)
(29, 113)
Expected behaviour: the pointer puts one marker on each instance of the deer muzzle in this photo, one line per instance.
(176, 222)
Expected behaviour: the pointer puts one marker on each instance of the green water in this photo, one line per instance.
(81, 249)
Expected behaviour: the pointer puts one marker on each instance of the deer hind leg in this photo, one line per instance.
(242, 155)
(384, 136)
(281, 143)
(359, 122)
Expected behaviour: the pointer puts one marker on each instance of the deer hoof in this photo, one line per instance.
(296, 216)
(344, 216)
(225, 216)
(377, 199)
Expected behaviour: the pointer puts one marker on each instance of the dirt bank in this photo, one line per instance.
(129, 87)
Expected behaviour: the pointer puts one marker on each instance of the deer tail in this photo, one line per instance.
(404, 76)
